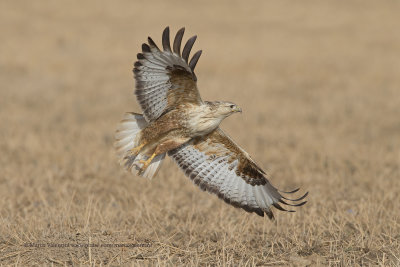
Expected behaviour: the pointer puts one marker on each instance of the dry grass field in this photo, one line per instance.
(319, 84)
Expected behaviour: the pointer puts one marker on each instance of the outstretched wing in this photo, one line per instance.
(165, 79)
(216, 164)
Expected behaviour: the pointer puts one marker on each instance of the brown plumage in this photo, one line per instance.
(177, 122)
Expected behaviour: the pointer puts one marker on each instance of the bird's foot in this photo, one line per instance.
(135, 151)
(145, 163)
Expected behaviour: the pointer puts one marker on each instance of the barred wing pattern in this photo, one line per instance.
(165, 79)
(216, 164)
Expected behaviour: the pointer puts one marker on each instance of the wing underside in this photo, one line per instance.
(217, 165)
(165, 78)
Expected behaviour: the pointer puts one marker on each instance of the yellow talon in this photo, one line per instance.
(146, 163)
(136, 150)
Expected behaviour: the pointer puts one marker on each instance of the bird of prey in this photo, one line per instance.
(177, 122)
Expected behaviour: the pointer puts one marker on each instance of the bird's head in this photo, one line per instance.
(224, 109)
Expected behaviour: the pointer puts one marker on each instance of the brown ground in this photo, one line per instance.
(319, 83)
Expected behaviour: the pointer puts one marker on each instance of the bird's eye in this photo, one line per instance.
(232, 106)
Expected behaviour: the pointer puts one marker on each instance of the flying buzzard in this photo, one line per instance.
(177, 122)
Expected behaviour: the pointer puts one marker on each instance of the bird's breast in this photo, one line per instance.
(200, 121)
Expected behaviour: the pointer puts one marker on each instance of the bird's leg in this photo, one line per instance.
(160, 149)
(135, 151)
(146, 163)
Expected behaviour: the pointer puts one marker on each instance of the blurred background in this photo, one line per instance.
(319, 85)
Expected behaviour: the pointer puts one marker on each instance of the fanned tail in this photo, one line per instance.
(127, 137)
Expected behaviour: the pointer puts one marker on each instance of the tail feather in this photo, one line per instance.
(128, 137)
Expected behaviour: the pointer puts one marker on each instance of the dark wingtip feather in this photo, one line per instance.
(188, 47)
(293, 205)
(140, 56)
(178, 41)
(145, 48)
(152, 43)
(279, 207)
(194, 59)
(291, 192)
(165, 40)
(301, 204)
(297, 199)
(269, 214)
(259, 212)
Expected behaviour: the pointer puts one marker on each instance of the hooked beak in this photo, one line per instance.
(237, 109)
